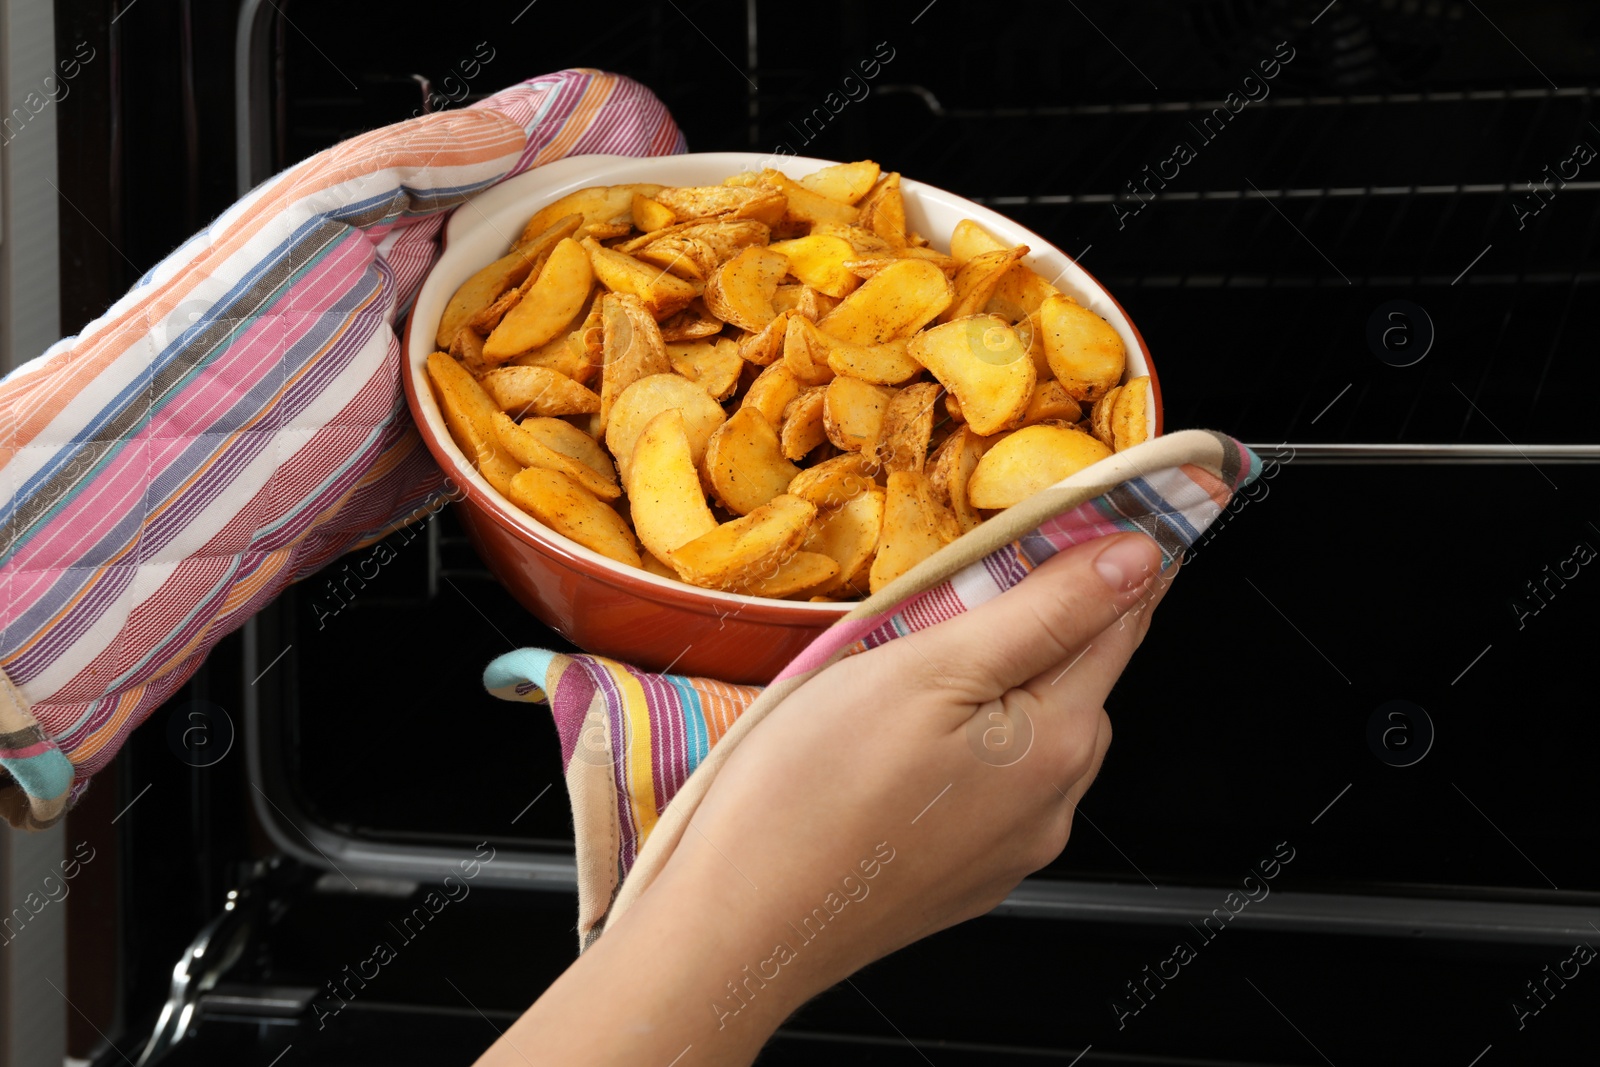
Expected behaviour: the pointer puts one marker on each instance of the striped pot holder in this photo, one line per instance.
(633, 742)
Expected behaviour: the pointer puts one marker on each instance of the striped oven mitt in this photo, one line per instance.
(633, 742)
(236, 421)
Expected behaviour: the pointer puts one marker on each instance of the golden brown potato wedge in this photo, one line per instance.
(803, 207)
(1019, 292)
(832, 482)
(1085, 353)
(547, 307)
(885, 364)
(693, 323)
(605, 210)
(820, 262)
(771, 392)
(758, 202)
(726, 237)
(805, 352)
(656, 567)
(651, 214)
(969, 240)
(864, 241)
(684, 257)
(505, 273)
(801, 572)
(848, 534)
(659, 292)
(712, 365)
(528, 448)
(902, 444)
(951, 469)
(740, 550)
(469, 413)
(975, 282)
(744, 462)
(845, 182)
(520, 391)
(1029, 460)
(944, 262)
(467, 349)
(981, 360)
(641, 402)
(765, 347)
(664, 495)
(573, 512)
(631, 348)
(895, 302)
(803, 428)
(566, 354)
(812, 305)
(1130, 414)
(1100, 417)
(565, 438)
(1050, 403)
(883, 211)
(853, 413)
(741, 290)
(915, 526)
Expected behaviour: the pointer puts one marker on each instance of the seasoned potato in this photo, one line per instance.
(664, 493)
(745, 464)
(1085, 353)
(783, 347)
(523, 391)
(549, 305)
(742, 289)
(848, 534)
(648, 397)
(572, 511)
(902, 444)
(981, 361)
(1029, 460)
(895, 302)
(853, 413)
(915, 526)
(738, 551)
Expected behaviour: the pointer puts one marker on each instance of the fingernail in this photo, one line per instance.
(1127, 561)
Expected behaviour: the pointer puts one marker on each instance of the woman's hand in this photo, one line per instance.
(896, 793)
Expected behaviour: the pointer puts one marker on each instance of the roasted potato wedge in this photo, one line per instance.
(804, 208)
(1033, 458)
(651, 214)
(561, 436)
(1019, 292)
(693, 323)
(820, 262)
(803, 428)
(801, 572)
(760, 203)
(1130, 414)
(833, 481)
(469, 413)
(844, 182)
(573, 512)
(763, 348)
(950, 471)
(631, 348)
(745, 464)
(548, 306)
(505, 273)
(605, 211)
(520, 391)
(528, 448)
(915, 526)
(848, 534)
(669, 509)
(853, 412)
(883, 211)
(1050, 403)
(712, 365)
(980, 360)
(739, 551)
(565, 354)
(467, 349)
(648, 397)
(742, 289)
(895, 302)
(1085, 353)
(977, 278)
(805, 352)
(886, 364)
(1100, 418)
(771, 392)
(902, 443)
(660, 293)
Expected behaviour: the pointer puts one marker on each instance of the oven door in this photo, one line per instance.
(1369, 263)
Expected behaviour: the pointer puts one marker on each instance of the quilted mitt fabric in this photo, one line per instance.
(236, 421)
(633, 742)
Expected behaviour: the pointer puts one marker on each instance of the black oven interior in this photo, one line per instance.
(1264, 185)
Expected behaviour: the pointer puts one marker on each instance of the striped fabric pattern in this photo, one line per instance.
(646, 727)
(236, 420)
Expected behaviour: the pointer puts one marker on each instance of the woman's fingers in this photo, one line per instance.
(1043, 621)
